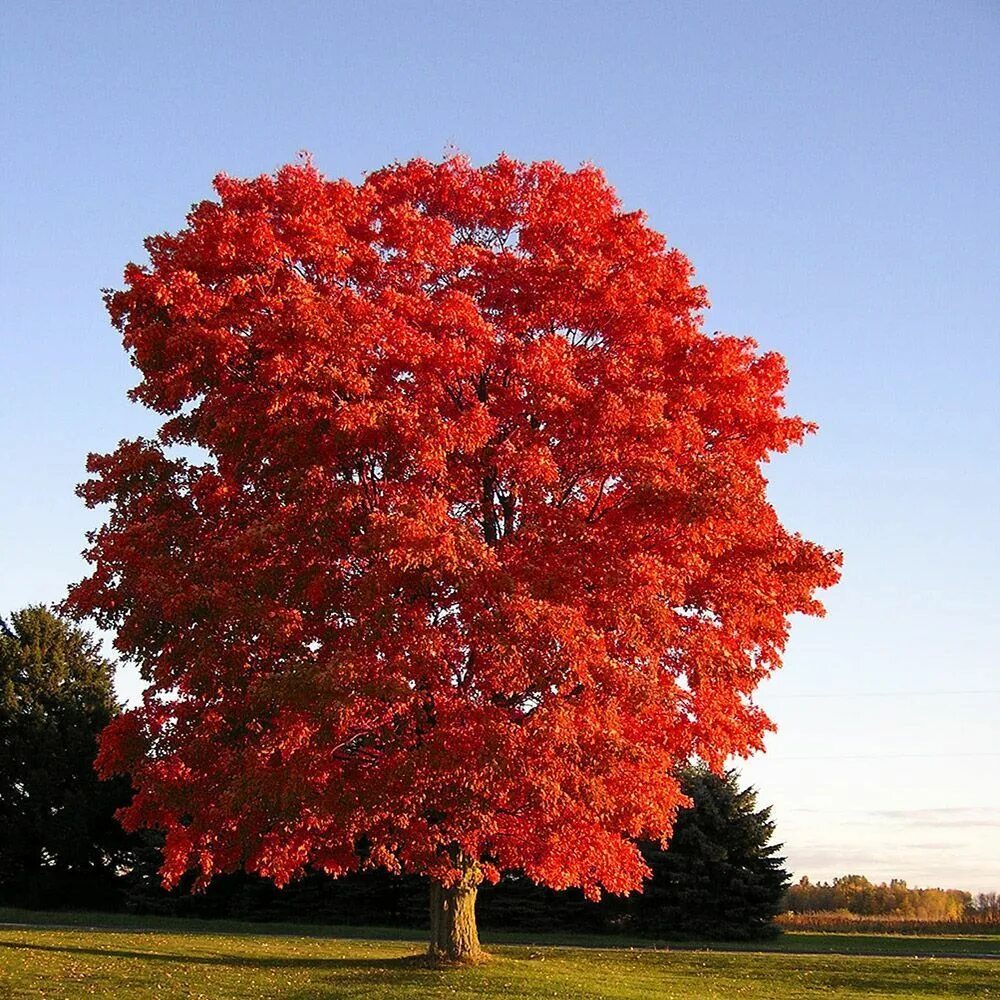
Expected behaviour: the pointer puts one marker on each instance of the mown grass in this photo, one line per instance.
(168, 962)
(793, 942)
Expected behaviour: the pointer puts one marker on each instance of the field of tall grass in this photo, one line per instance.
(845, 922)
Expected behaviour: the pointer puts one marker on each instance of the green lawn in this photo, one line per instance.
(791, 942)
(250, 962)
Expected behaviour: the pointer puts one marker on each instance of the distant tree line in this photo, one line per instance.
(986, 907)
(855, 894)
(60, 845)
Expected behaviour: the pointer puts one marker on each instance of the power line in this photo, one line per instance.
(886, 694)
(880, 756)
(894, 813)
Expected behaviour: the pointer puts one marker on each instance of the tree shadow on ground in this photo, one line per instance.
(325, 978)
(344, 978)
(413, 962)
(264, 929)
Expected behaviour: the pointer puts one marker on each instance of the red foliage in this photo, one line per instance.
(454, 541)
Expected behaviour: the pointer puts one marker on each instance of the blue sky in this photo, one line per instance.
(830, 169)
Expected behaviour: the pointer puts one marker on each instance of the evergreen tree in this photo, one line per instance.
(721, 876)
(59, 840)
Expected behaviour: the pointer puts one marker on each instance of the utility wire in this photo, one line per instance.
(878, 756)
(885, 694)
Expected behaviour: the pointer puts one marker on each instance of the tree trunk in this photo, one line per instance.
(454, 937)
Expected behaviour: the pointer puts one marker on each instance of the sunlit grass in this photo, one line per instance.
(164, 963)
(797, 942)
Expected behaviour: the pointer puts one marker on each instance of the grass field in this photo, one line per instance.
(840, 922)
(106, 957)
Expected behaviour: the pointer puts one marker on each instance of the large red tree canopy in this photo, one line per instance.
(453, 544)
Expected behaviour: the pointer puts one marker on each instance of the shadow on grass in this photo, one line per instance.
(413, 962)
(409, 975)
(116, 924)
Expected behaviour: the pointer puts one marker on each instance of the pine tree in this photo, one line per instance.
(59, 840)
(721, 876)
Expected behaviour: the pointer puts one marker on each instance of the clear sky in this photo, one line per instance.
(831, 170)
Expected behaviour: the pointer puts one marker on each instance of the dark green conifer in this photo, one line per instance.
(721, 876)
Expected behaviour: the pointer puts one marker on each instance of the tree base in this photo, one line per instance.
(454, 935)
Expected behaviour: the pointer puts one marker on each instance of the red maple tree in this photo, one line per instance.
(453, 544)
